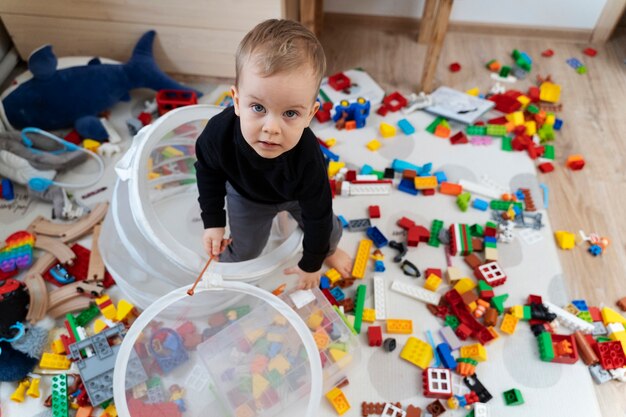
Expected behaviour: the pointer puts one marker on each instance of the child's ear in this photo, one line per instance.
(235, 95)
(314, 110)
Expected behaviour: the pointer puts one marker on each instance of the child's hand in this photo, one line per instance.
(213, 240)
(306, 280)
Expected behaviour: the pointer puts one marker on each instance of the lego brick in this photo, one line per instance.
(361, 259)
(569, 320)
(437, 383)
(417, 352)
(380, 305)
(399, 326)
(415, 292)
(338, 400)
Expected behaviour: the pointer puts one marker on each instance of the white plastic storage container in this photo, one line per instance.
(151, 239)
(254, 356)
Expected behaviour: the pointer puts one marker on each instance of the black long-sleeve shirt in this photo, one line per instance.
(297, 175)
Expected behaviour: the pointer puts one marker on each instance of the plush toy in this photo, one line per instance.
(73, 97)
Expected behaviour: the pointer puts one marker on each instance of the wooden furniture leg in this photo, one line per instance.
(427, 22)
(311, 15)
(434, 48)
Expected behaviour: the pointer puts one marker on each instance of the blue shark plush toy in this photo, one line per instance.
(73, 97)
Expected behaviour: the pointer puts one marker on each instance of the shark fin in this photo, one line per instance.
(42, 62)
(94, 61)
(143, 71)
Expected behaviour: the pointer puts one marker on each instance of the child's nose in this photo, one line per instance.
(271, 126)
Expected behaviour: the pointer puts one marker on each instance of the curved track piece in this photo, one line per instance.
(38, 297)
(43, 226)
(57, 248)
(84, 225)
(95, 272)
(75, 304)
(42, 264)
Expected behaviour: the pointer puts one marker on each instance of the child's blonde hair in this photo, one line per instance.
(280, 45)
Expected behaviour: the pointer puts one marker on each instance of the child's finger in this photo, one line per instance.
(215, 245)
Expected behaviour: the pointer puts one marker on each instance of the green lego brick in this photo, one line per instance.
(470, 414)
(452, 321)
(496, 130)
(513, 397)
(86, 316)
(361, 292)
(477, 230)
(549, 152)
(435, 228)
(532, 109)
(476, 130)
(60, 405)
(468, 360)
(601, 339)
(491, 245)
(463, 200)
(506, 143)
(433, 126)
(504, 205)
(379, 174)
(546, 133)
(582, 69)
(345, 320)
(491, 225)
(516, 54)
(505, 71)
(546, 350)
(585, 315)
(497, 302)
(483, 286)
(527, 313)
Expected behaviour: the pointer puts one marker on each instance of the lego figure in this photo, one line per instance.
(378, 257)
(260, 157)
(176, 396)
(357, 111)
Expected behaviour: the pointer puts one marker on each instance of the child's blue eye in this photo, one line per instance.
(290, 114)
(257, 108)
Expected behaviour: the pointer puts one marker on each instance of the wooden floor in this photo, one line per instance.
(594, 115)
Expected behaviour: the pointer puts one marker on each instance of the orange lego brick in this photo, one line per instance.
(362, 257)
(449, 188)
(399, 326)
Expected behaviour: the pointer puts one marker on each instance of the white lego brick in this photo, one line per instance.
(418, 293)
(380, 304)
(345, 188)
(366, 177)
(569, 320)
(614, 328)
(391, 410)
(450, 337)
(530, 236)
(618, 374)
(475, 188)
(369, 189)
(481, 410)
(197, 379)
(487, 181)
(300, 298)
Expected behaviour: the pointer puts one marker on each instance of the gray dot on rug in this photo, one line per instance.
(393, 378)
(527, 369)
(402, 146)
(454, 173)
(510, 254)
(528, 181)
(557, 292)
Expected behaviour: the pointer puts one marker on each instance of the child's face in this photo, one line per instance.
(274, 110)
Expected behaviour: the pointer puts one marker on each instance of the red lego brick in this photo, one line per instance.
(145, 118)
(435, 271)
(505, 103)
(405, 223)
(382, 110)
(437, 383)
(455, 67)
(73, 137)
(590, 52)
(565, 349)
(428, 192)
(351, 175)
(545, 167)
(374, 212)
(339, 81)
(611, 354)
(459, 138)
(417, 234)
(547, 53)
(498, 121)
(395, 101)
(595, 314)
(533, 94)
(491, 273)
(375, 336)
(80, 267)
(536, 299)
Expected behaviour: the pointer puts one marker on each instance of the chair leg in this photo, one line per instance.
(427, 22)
(434, 48)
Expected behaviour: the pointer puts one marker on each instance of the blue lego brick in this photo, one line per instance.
(377, 237)
(408, 186)
(441, 176)
(366, 170)
(399, 165)
(7, 189)
(520, 195)
(425, 170)
(406, 127)
(337, 293)
(480, 204)
(558, 123)
(343, 221)
(581, 305)
(324, 282)
(445, 355)
(490, 239)
(328, 154)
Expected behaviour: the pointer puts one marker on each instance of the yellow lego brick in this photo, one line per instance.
(524, 100)
(549, 92)
(373, 145)
(33, 389)
(254, 335)
(432, 282)
(611, 316)
(340, 357)
(98, 326)
(509, 323)
(106, 306)
(531, 127)
(369, 315)
(124, 310)
(565, 240)
(473, 91)
(91, 145)
(315, 320)
(464, 285)
(275, 337)
(111, 411)
(259, 385)
(425, 183)
(280, 363)
(418, 352)
(399, 326)
(362, 256)
(334, 167)
(475, 351)
(517, 311)
(54, 361)
(330, 142)
(472, 306)
(338, 400)
(571, 308)
(333, 275)
(171, 152)
(387, 130)
(517, 118)
(491, 254)
(57, 346)
(453, 274)
(18, 394)
(279, 320)
(550, 119)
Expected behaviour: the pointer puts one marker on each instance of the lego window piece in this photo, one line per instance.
(437, 383)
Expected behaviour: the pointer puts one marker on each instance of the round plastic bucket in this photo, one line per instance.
(255, 355)
(151, 239)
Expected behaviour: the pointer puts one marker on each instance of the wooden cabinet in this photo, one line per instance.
(197, 37)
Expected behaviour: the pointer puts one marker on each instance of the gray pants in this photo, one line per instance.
(250, 224)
